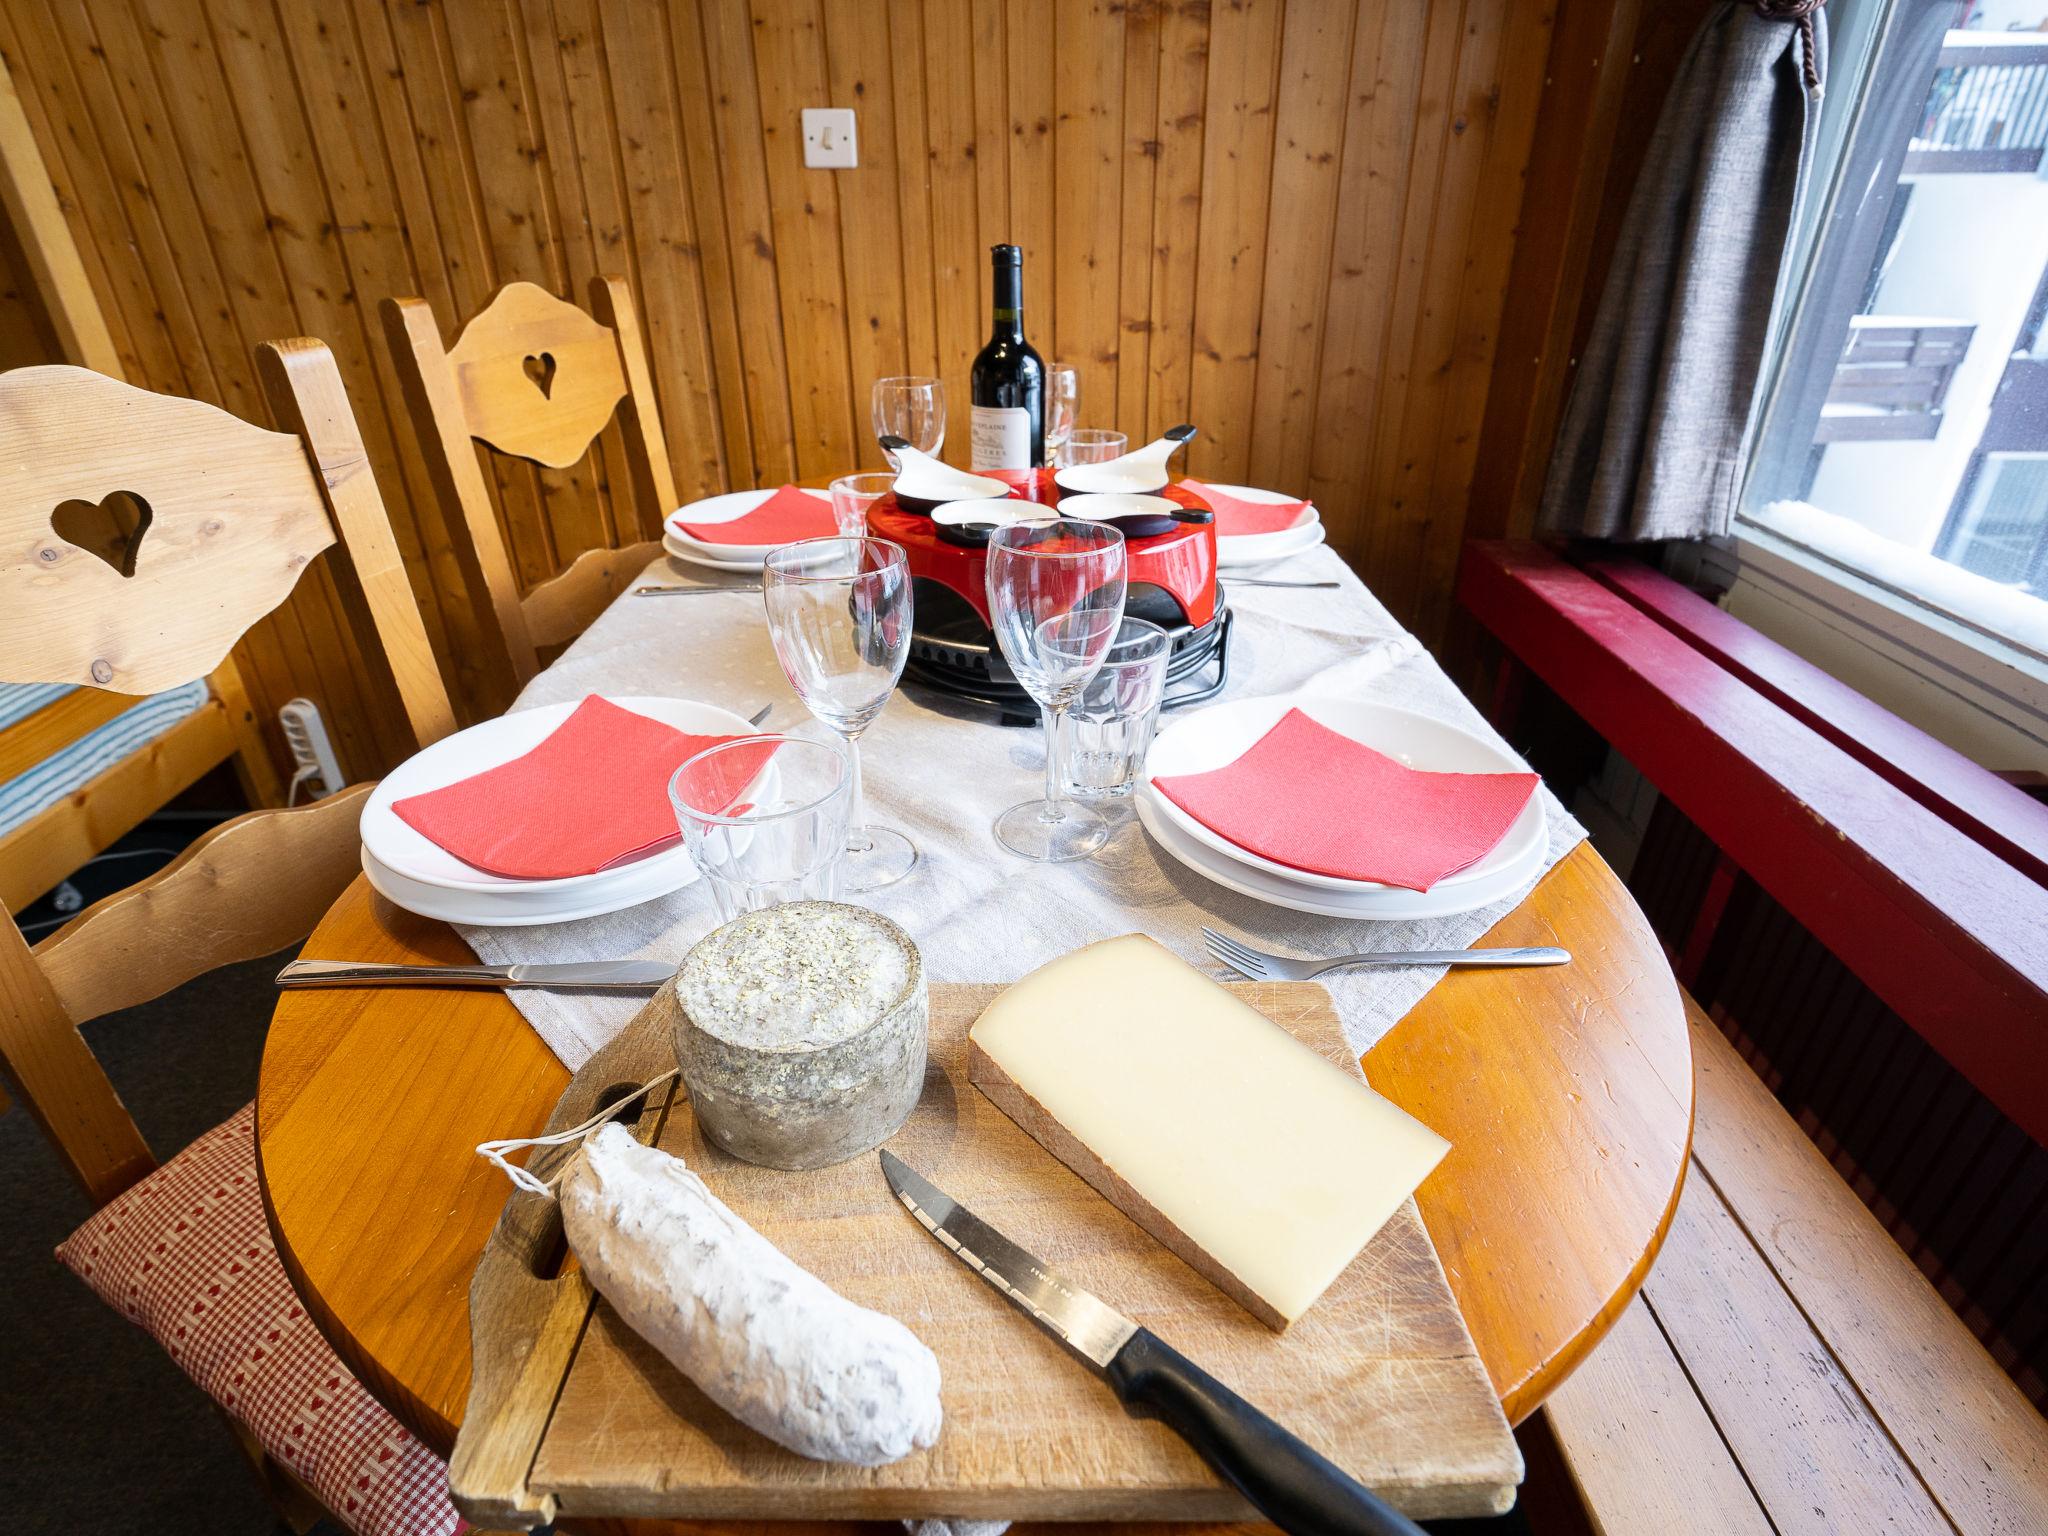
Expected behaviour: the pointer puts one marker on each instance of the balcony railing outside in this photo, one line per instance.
(1988, 109)
(1892, 379)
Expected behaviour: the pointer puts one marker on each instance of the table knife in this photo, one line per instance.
(1296, 1488)
(604, 975)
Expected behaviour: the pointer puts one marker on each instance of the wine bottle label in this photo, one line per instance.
(1001, 437)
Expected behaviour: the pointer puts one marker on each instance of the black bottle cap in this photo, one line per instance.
(1006, 255)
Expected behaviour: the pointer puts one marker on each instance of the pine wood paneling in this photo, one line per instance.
(1291, 222)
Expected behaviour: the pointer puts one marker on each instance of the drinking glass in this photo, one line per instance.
(1062, 404)
(852, 495)
(1055, 599)
(1094, 445)
(913, 409)
(1110, 723)
(839, 618)
(779, 838)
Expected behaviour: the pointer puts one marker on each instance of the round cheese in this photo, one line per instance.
(800, 1031)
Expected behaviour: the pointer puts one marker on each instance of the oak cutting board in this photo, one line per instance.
(571, 1414)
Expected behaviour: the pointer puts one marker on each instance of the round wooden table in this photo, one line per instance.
(1566, 1094)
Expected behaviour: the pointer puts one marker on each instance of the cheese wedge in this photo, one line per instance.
(1264, 1166)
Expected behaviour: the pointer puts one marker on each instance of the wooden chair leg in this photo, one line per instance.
(291, 1500)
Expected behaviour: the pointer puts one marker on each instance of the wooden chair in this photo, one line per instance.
(225, 517)
(536, 378)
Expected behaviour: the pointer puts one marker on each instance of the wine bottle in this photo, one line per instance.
(1007, 387)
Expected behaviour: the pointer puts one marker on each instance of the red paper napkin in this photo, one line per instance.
(593, 793)
(785, 517)
(1237, 516)
(1304, 796)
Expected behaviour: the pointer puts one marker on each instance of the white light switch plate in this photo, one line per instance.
(828, 138)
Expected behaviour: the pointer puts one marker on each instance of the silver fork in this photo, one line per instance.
(1261, 966)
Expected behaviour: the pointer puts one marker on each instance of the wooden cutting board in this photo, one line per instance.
(572, 1414)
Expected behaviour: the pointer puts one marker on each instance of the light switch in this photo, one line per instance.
(828, 138)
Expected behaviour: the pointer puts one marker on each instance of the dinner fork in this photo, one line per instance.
(1261, 966)
(693, 591)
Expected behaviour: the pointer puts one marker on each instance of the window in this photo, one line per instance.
(1905, 434)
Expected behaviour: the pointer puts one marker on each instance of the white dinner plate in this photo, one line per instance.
(411, 856)
(692, 554)
(1384, 904)
(1222, 733)
(513, 908)
(725, 509)
(1251, 549)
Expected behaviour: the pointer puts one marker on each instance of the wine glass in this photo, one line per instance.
(1095, 445)
(839, 618)
(913, 409)
(1062, 406)
(1055, 600)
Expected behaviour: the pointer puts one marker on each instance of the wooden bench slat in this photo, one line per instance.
(1951, 936)
(49, 846)
(1974, 1439)
(2000, 815)
(1642, 1448)
(32, 741)
(1807, 1442)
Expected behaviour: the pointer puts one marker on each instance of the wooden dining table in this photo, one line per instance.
(1566, 1094)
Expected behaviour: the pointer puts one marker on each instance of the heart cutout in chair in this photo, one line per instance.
(109, 530)
(541, 369)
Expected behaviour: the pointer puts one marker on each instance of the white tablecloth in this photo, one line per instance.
(942, 773)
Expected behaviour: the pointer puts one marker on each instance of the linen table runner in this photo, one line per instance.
(942, 772)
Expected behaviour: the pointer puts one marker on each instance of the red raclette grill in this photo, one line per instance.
(1171, 581)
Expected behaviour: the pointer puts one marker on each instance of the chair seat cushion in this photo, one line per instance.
(187, 1255)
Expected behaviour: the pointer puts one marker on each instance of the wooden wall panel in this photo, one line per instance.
(1291, 222)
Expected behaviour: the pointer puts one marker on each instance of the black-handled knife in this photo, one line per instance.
(1295, 1487)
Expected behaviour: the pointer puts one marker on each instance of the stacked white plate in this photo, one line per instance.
(722, 509)
(1219, 735)
(1234, 551)
(421, 876)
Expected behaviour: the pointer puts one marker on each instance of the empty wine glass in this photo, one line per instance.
(1062, 406)
(839, 618)
(913, 409)
(1094, 445)
(1055, 600)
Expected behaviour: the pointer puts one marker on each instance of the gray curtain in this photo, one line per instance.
(1656, 433)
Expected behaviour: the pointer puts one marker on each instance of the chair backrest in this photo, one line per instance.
(537, 378)
(204, 524)
(140, 536)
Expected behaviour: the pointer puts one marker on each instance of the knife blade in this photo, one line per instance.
(606, 975)
(1294, 1486)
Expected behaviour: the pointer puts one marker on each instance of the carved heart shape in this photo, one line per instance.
(109, 530)
(541, 369)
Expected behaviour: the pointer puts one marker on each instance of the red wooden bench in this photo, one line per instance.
(1787, 1366)
(1922, 872)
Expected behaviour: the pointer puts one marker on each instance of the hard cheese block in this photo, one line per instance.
(1262, 1165)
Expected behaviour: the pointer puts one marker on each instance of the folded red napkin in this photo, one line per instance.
(790, 514)
(1237, 516)
(1304, 796)
(593, 793)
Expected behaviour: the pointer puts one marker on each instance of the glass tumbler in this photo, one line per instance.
(852, 495)
(766, 834)
(1093, 445)
(1111, 721)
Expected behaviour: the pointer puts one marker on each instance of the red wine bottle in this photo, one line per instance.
(1007, 386)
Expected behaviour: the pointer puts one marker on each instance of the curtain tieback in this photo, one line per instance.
(1800, 14)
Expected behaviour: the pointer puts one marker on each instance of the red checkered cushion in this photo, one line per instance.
(187, 1255)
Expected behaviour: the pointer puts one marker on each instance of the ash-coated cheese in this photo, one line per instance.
(763, 1337)
(801, 1031)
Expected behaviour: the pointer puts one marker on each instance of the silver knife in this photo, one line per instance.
(604, 975)
(1295, 1487)
(693, 591)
